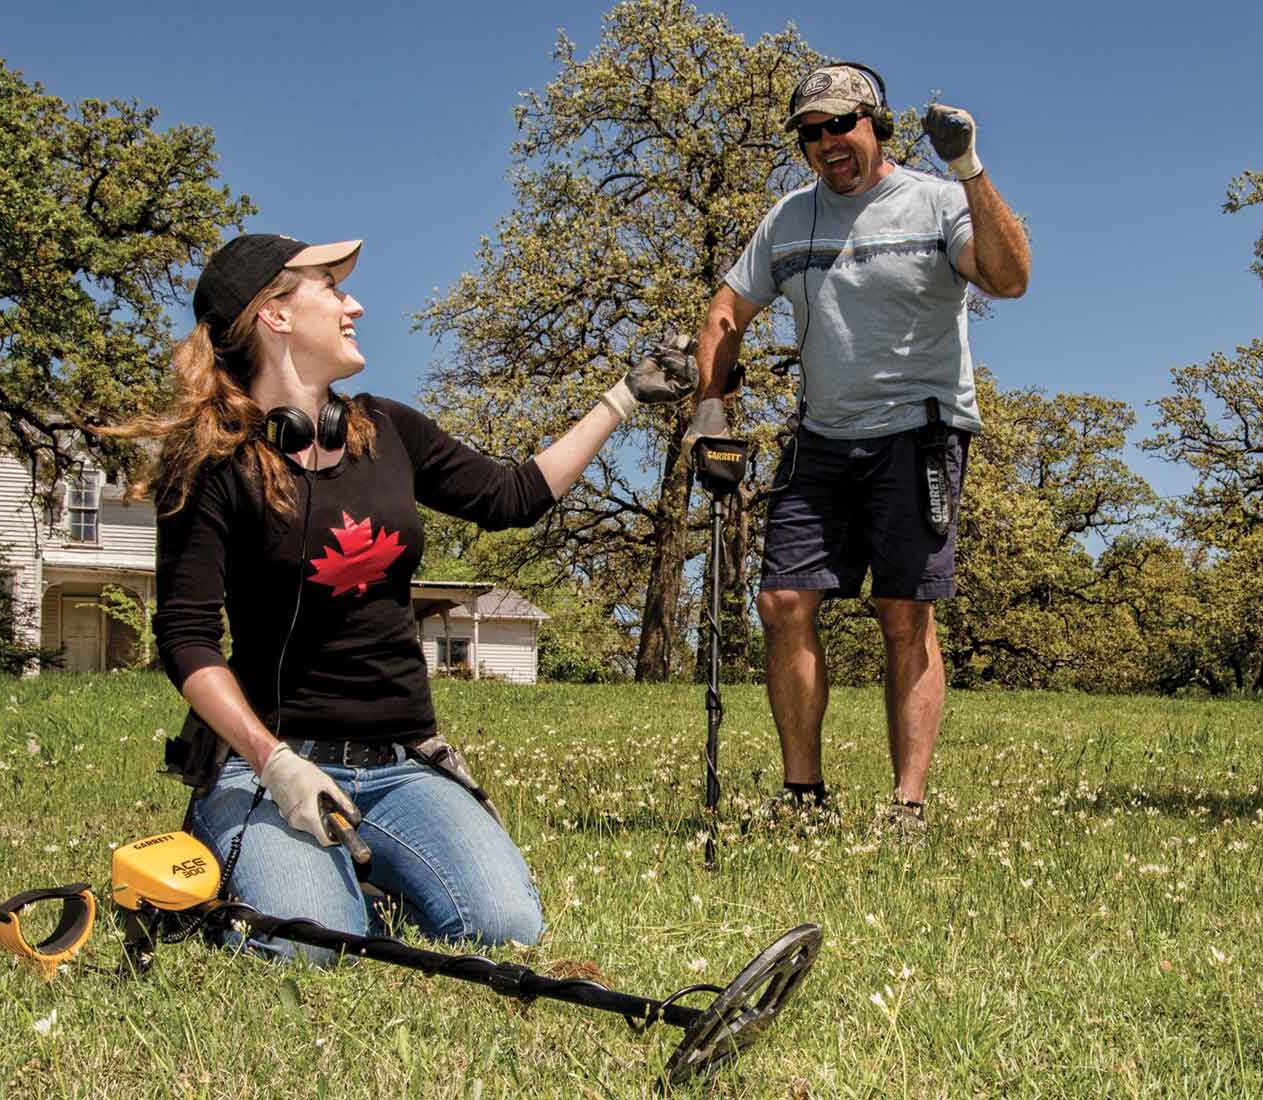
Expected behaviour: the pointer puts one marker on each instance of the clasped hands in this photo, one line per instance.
(666, 376)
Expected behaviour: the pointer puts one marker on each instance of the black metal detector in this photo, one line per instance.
(721, 467)
(166, 885)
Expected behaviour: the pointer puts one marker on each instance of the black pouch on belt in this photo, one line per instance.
(449, 760)
(195, 755)
(936, 485)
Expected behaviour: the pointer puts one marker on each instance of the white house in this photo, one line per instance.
(486, 630)
(60, 558)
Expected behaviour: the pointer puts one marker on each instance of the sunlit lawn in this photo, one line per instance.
(1083, 922)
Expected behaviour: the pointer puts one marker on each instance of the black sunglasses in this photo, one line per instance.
(839, 124)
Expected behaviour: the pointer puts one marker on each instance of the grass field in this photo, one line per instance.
(1084, 921)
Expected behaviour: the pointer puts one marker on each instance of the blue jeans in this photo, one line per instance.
(456, 872)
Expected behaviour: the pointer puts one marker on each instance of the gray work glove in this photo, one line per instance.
(296, 785)
(667, 375)
(709, 419)
(952, 132)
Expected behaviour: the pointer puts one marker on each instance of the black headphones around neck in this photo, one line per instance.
(883, 118)
(290, 430)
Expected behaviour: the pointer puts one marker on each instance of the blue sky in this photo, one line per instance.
(1112, 127)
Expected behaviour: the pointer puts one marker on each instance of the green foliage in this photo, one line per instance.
(1032, 608)
(581, 642)
(1247, 190)
(99, 214)
(1214, 424)
(121, 606)
(17, 624)
(1195, 618)
(639, 173)
(1083, 922)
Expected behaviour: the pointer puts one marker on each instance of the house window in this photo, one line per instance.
(459, 655)
(83, 508)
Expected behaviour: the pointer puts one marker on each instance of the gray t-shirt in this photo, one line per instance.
(878, 302)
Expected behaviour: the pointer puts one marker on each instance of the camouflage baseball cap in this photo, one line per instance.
(833, 90)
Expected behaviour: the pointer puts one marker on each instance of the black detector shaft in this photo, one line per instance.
(721, 465)
(735, 1018)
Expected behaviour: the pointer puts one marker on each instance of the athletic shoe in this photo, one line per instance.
(903, 825)
(789, 809)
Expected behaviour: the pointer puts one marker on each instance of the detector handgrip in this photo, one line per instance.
(338, 827)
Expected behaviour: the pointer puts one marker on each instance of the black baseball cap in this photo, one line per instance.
(246, 264)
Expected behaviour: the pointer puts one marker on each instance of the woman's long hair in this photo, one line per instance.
(213, 417)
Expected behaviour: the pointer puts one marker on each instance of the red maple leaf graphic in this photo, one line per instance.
(359, 560)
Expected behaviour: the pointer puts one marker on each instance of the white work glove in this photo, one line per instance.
(952, 132)
(666, 376)
(296, 785)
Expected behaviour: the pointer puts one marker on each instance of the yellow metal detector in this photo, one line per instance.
(171, 880)
(166, 886)
(169, 871)
(78, 912)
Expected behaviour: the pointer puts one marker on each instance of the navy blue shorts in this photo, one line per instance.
(850, 505)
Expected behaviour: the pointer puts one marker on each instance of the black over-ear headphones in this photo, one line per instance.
(883, 118)
(290, 430)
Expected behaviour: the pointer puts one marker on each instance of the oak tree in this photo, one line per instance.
(640, 173)
(100, 213)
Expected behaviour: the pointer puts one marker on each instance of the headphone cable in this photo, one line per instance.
(234, 849)
(797, 419)
(298, 598)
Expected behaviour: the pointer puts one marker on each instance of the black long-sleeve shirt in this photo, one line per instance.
(339, 571)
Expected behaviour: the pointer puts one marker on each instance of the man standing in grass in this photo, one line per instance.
(876, 261)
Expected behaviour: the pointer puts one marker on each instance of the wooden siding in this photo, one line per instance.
(507, 649)
(21, 524)
(128, 528)
(48, 567)
(127, 531)
(17, 522)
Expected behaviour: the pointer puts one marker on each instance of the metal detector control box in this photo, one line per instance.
(172, 871)
(721, 463)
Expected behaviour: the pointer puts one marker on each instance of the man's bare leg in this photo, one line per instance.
(915, 691)
(797, 679)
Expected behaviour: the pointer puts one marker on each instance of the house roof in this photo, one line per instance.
(504, 603)
(98, 560)
(490, 602)
(435, 597)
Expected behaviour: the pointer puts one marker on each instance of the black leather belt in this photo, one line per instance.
(350, 754)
